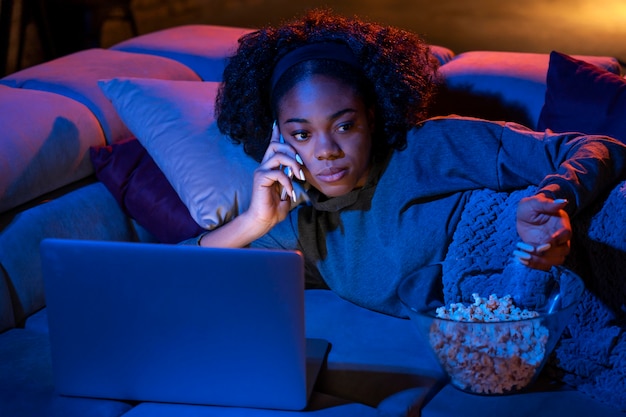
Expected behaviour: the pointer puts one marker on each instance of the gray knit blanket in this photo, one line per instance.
(591, 354)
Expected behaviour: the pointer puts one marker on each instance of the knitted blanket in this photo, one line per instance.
(591, 354)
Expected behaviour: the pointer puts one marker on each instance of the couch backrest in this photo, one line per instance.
(203, 48)
(45, 143)
(51, 114)
(509, 86)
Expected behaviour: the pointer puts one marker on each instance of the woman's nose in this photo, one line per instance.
(328, 148)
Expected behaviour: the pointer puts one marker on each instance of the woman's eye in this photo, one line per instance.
(344, 127)
(300, 136)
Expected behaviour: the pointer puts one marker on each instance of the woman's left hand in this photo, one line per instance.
(545, 229)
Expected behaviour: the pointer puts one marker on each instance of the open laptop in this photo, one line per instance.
(180, 324)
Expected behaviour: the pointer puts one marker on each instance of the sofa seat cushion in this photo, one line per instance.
(375, 359)
(76, 76)
(203, 48)
(363, 337)
(27, 386)
(498, 85)
(45, 144)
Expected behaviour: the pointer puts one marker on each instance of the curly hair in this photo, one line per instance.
(398, 65)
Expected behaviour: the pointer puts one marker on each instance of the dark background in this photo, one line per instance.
(595, 27)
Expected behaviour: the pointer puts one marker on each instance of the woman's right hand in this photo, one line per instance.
(272, 190)
(267, 208)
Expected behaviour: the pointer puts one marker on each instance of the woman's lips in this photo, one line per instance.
(332, 174)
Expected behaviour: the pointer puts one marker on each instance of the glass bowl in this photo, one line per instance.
(492, 357)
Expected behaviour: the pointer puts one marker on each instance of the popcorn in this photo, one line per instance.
(485, 348)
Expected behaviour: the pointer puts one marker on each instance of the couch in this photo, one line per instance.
(95, 146)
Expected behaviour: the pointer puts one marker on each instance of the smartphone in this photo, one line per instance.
(286, 170)
(280, 137)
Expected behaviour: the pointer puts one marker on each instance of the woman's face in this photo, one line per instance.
(331, 129)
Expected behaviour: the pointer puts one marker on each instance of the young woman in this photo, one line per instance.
(341, 104)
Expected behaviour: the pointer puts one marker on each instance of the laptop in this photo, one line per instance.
(179, 324)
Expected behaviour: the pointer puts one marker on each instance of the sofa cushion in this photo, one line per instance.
(582, 97)
(203, 48)
(143, 192)
(86, 213)
(442, 53)
(174, 121)
(76, 76)
(349, 328)
(26, 381)
(498, 85)
(45, 143)
(375, 359)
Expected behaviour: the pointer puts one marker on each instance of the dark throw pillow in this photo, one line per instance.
(581, 97)
(143, 191)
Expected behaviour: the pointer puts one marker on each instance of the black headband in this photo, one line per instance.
(322, 50)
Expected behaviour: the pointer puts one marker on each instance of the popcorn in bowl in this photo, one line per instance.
(495, 358)
(491, 345)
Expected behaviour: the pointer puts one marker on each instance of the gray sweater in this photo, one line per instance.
(362, 244)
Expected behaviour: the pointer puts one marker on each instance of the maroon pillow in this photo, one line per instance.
(581, 97)
(142, 191)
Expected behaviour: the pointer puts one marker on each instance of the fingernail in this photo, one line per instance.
(281, 138)
(521, 261)
(283, 194)
(543, 247)
(525, 246)
(560, 201)
(522, 255)
(289, 172)
(293, 196)
(299, 159)
(302, 175)
(274, 125)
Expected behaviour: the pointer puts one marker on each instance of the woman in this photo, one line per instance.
(341, 104)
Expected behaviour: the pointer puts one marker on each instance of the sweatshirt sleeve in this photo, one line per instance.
(572, 166)
(455, 154)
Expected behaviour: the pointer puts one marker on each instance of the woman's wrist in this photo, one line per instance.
(237, 233)
(250, 226)
(558, 193)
